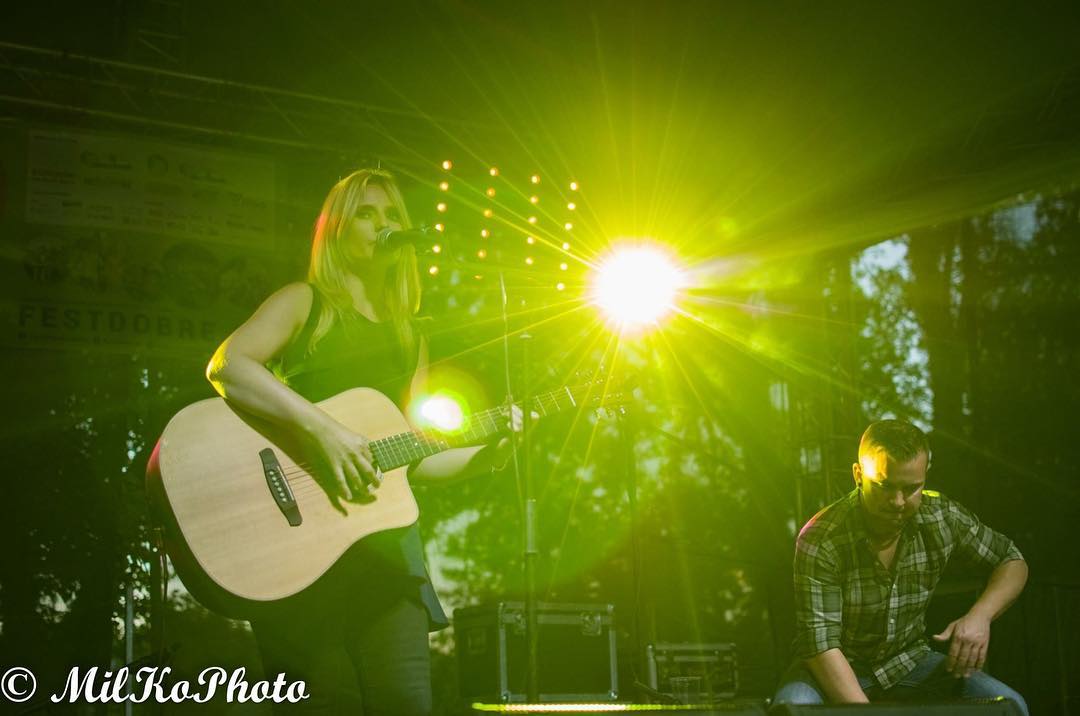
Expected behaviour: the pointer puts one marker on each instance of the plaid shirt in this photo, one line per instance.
(846, 599)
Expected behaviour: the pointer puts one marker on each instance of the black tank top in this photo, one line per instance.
(355, 353)
(360, 353)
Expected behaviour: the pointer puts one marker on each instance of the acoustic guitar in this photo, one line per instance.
(245, 521)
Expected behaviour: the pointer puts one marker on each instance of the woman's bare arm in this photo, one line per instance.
(238, 372)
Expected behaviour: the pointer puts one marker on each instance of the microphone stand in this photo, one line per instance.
(522, 457)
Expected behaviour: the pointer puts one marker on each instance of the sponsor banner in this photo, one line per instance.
(136, 184)
(78, 288)
(125, 243)
(37, 324)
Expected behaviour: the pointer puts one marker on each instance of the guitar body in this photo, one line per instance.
(230, 540)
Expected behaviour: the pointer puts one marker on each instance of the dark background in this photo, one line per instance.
(879, 203)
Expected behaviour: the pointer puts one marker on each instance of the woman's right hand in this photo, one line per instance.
(345, 466)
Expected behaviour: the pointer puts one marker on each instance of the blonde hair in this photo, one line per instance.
(327, 271)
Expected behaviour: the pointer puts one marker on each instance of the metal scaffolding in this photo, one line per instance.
(50, 84)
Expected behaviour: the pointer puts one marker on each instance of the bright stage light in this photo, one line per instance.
(636, 285)
(442, 412)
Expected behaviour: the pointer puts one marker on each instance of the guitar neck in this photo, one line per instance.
(406, 448)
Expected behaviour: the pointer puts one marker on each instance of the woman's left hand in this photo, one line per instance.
(501, 450)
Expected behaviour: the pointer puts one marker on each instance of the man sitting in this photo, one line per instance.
(865, 568)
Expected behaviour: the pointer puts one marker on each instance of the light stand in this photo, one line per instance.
(524, 475)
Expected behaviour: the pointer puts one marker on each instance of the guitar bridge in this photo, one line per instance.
(279, 487)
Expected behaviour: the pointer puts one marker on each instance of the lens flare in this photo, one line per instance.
(636, 285)
(442, 412)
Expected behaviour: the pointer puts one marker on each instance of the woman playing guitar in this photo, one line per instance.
(358, 636)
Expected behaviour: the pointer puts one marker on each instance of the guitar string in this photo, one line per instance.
(400, 449)
(396, 447)
(404, 445)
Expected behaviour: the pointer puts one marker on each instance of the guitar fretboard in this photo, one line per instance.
(405, 448)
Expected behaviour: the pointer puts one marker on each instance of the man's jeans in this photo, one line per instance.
(927, 681)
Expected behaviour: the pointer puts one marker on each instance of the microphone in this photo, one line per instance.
(392, 238)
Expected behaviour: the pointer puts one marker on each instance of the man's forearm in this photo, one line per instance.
(835, 675)
(1006, 582)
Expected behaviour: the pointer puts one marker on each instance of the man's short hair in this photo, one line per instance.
(900, 440)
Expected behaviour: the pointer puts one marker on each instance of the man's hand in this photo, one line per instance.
(970, 640)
